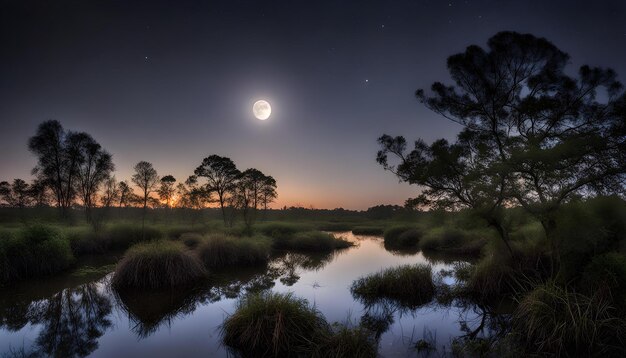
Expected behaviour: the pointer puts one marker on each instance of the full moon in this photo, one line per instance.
(262, 109)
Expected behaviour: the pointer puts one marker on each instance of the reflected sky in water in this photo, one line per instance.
(80, 315)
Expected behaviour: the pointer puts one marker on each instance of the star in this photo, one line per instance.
(367, 80)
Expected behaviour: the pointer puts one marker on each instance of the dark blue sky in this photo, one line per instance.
(171, 82)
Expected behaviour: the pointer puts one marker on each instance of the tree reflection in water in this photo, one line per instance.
(148, 311)
(71, 320)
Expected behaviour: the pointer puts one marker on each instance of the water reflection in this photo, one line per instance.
(71, 320)
(81, 316)
(148, 311)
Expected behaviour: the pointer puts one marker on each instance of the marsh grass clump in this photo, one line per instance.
(402, 237)
(157, 265)
(556, 321)
(357, 342)
(368, 230)
(218, 251)
(311, 241)
(453, 240)
(498, 275)
(274, 324)
(34, 251)
(282, 230)
(409, 285)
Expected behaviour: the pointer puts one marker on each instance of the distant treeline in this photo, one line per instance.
(191, 215)
(73, 170)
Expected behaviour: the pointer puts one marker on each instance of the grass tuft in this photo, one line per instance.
(310, 241)
(555, 321)
(354, 342)
(157, 265)
(409, 285)
(274, 324)
(218, 251)
(402, 237)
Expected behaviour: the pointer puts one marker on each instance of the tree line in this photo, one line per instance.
(532, 135)
(73, 170)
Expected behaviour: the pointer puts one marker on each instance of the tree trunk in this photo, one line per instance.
(549, 227)
(504, 235)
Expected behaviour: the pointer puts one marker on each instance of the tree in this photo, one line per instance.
(39, 193)
(546, 135)
(147, 179)
(57, 161)
(221, 175)
(16, 194)
(455, 176)
(125, 193)
(5, 192)
(69, 163)
(191, 195)
(167, 190)
(268, 192)
(111, 192)
(247, 193)
(94, 168)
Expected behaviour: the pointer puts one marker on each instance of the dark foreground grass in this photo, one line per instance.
(552, 320)
(33, 251)
(281, 325)
(218, 251)
(157, 265)
(310, 241)
(409, 286)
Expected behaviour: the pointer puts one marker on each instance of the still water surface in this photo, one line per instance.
(78, 314)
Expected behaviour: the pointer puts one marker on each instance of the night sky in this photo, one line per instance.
(172, 82)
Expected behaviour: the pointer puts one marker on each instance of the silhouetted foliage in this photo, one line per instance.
(69, 163)
(95, 166)
(111, 192)
(146, 178)
(532, 134)
(166, 190)
(221, 175)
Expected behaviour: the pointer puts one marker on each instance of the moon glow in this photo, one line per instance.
(262, 109)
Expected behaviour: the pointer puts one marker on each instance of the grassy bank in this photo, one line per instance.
(33, 251)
